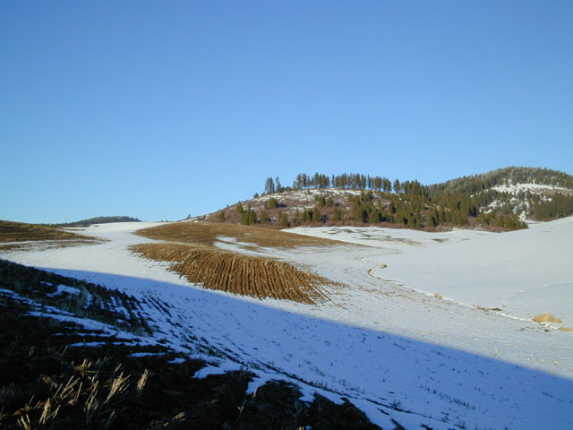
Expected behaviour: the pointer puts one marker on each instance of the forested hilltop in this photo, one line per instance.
(498, 200)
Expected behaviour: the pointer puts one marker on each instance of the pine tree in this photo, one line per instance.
(269, 186)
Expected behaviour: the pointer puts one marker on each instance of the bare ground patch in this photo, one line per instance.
(222, 270)
(44, 245)
(546, 317)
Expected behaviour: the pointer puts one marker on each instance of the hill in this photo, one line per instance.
(97, 220)
(499, 200)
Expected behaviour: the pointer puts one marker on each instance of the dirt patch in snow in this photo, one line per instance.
(546, 317)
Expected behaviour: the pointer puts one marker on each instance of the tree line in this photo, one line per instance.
(345, 181)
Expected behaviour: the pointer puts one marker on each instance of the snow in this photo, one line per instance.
(308, 195)
(382, 341)
(525, 272)
(64, 289)
(531, 187)
(305, 199)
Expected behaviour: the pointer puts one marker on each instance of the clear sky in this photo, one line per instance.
(160, 109)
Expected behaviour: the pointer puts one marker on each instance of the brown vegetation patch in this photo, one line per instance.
(488, 309)
(52, 244)
(217, 269)
(207, 233)
(19, 232)
(569, 329)
(546, 317)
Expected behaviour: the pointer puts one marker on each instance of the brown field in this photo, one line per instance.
(45, 245)
(218, 269)
(207, 233)
(19, 232)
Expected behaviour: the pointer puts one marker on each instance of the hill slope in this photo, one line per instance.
(499, 200)
(397, 355)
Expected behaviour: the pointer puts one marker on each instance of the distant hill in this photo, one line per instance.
(502, 199)
(97, 220)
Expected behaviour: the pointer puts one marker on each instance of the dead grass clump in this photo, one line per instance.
(19, 232)
(207, 234)
(569, 329)
(217, 269)
(546, 317)
(486, 309)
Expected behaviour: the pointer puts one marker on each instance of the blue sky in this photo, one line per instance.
(163, 109)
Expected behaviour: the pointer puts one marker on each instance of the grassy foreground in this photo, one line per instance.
(50, 378)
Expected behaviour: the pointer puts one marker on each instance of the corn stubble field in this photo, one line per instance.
(222, 270)
(200, 261)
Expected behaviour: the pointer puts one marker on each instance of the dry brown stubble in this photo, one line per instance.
(218, 269)
(11, 231)
(546, 317)
(207, 234)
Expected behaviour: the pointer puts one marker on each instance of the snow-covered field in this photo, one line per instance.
(524, 272)
(383, 341)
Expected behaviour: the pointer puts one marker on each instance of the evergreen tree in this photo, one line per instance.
(271, 203)
(269, 186)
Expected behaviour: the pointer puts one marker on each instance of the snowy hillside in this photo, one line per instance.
(399, 355)
(530, 188)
